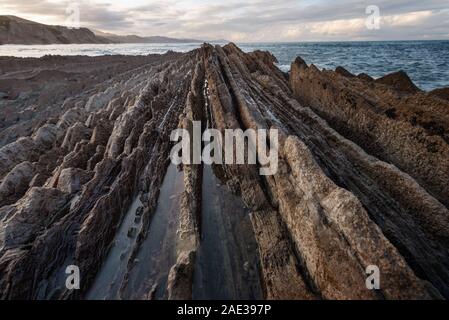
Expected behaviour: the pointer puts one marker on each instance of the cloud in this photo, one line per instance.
(408, 19)
(92, 13)
(250, 20)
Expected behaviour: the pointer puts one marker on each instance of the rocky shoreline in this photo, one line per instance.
(362, 179)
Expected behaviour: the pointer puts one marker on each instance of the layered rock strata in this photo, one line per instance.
(361, 180)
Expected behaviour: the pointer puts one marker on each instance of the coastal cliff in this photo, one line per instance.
(15, 30)
(86, 180)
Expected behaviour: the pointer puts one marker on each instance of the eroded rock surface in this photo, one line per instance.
(361, 181)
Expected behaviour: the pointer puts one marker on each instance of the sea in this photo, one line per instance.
(426, 62)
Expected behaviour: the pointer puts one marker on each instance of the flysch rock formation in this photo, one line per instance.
(362, 178)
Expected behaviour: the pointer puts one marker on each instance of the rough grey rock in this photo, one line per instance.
(24, 149)
(47, 135)
(72, 179)
(36, 211)
(16, 183)
(76, 133)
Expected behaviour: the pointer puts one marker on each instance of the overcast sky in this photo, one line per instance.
(248, 20)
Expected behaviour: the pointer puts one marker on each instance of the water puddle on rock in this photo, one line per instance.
(109, 279)
(227, 264)
(157, 254)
